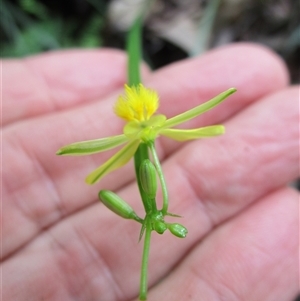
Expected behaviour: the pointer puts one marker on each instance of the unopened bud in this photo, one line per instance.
(148, 178)
(159, 227)
(178, 230)
(117, 205)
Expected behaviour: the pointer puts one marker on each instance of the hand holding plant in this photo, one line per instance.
(60, 244)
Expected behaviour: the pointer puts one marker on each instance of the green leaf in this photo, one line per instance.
(116, 161)
(199, 109)
(182, 135)
(92, 146)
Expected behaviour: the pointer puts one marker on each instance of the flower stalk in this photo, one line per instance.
(145, 261)
(141, 154)
(138, 106)
(161, 178)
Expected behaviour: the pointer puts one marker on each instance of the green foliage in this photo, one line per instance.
(30, 27)
(34, 7)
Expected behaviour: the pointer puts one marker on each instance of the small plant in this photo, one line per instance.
(138, 107)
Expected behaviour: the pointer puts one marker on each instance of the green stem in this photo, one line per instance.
(161, 178)
(145, 260)
(134, 78)
(134, 52)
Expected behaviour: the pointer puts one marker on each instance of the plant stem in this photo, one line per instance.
(134, 52)
(134, 78)
(161, 178)
(145, 260)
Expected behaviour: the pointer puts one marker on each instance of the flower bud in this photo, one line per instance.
(178, 230)
(117, 205)
(148, 178)
(159, 227)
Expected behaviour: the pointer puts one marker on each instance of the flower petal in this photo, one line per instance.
(199, 109)
(117, 160)
(138, 103)
(182, 135)
(92, 146)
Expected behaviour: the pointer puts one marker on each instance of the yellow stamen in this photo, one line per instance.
(138, 103)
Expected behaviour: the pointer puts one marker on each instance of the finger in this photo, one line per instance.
(258, 154)
(207, 190)
(199, 80)
(251, 257)
(58, 182)
(59, 80)
(245, 247)
(233, 190)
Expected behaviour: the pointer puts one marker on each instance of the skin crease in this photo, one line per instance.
(60, 243)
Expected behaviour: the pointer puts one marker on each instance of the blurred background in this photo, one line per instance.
(174, 29)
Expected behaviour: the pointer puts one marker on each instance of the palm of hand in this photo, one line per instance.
(59, 243)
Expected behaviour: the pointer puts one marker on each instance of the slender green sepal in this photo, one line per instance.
(190, 114)
(183, 135)
(172, 214)
(116, 161)
(89, 147)
(143, 228)
(117, 205)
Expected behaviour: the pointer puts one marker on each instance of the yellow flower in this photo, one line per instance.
(137, 107)
(137, 104)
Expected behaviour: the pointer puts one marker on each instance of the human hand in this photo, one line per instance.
(60, 243)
